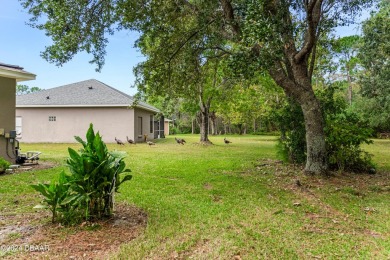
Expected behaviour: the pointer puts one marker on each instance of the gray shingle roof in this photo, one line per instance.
(91, 93)
(10, 66)
(15, 72)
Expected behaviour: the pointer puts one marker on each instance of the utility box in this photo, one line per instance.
(12, 134)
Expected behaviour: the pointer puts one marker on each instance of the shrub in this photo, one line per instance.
(344, 130)
(3, 165)
(345, 134)
(174, 131)
(292, 143)
(89, 188)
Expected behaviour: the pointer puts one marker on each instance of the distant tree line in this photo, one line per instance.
(24, 89)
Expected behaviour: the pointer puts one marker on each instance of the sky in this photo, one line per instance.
(21, 45)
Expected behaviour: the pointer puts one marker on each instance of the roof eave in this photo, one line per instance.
(155, 110)
(44, 106)
(108, 105)
(18, 75)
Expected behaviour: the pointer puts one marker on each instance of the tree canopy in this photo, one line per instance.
(257, 36)
(374, 55)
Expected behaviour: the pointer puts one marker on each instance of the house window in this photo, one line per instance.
(140, 126)
(52, 118)
(18, 125)
(151, 124)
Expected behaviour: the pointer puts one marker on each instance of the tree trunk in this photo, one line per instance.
(204, 122)
(204, 125)
(349, 87)
(193, 125)
(213, 119)
(350, 94)
(301, 90)
(316, 158)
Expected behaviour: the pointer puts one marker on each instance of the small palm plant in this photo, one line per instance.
(95, 175)
(93, 180)
(55, 193)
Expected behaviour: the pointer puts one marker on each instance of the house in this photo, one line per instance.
(166, 125)
(9, 76)
(57, 115)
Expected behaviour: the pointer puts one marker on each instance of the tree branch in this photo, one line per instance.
(278, 74)
(187, 40)
(313, 56)
(229, 16)
(313, 19)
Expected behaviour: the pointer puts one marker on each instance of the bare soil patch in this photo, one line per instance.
(86, 241)
(311, 189)
(32, 167)
(292, 177)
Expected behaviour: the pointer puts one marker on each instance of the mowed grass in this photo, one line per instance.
(235, 201)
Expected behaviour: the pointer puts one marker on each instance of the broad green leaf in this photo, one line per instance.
(74, 155)
(81, 141)
(90, 135)
(126, 178)
(70, 199)
(42, 188)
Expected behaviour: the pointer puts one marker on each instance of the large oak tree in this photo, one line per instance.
(276, 36)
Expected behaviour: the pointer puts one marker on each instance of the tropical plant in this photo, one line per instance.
(54, 195)
(95, 175)
(90, 187)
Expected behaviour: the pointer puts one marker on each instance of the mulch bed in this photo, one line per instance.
(97, 240)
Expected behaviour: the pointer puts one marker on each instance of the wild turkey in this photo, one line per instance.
(130, 141)
(180, 141)
(226, 141)
(119, 141)
(150, 143)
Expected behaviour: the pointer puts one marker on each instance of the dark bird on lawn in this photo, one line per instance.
(180, 141)
(119, 141)
(150, 143)
(226, 141)
(130, 141)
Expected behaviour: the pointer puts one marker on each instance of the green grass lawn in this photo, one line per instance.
(225, 201)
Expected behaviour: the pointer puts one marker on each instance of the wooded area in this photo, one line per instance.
(220, 63)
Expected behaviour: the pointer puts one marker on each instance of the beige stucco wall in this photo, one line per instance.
(110, 122)
(166, 128)
(145, 125)
(7, 113)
